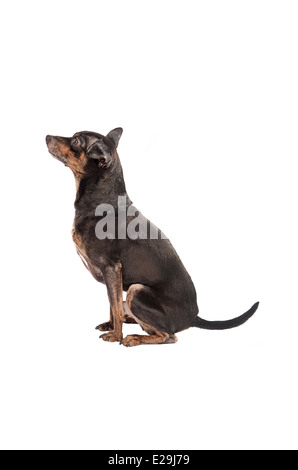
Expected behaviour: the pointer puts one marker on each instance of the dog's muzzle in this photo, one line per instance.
(52, 147)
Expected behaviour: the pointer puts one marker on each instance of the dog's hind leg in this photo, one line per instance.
(141, 306)
(127, 317)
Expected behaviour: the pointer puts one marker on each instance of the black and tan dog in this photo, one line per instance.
(161, 296)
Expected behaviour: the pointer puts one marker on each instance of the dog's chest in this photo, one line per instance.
(82, 252)
(80, 245)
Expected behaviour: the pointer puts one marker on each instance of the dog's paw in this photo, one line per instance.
(107, 326)
(111, 337)
(130, 340)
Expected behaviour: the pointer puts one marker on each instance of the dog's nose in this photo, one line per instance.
(48, 138)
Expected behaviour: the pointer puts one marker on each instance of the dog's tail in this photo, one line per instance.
(225, 325)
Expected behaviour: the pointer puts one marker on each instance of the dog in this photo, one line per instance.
(161, 296)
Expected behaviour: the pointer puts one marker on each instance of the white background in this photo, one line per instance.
(206, 92)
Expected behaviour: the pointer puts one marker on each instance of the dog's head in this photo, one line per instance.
(85, 152)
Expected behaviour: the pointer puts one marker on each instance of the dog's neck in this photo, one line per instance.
(100, 188)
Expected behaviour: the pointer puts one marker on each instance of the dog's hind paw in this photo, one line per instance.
(130, 341)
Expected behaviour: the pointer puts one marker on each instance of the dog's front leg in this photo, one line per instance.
(113, 281)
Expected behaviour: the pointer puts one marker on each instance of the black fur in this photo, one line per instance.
(168, 300)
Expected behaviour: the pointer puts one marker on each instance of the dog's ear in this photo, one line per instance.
(115, 135)
(100, 153)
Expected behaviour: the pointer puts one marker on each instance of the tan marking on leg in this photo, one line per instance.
(108, 326)
(115, 292)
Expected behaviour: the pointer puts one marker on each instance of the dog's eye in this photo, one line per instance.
(75, 142)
